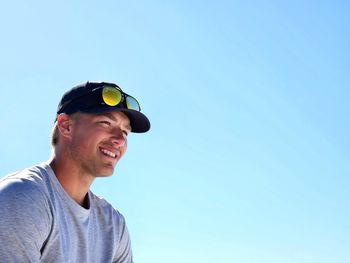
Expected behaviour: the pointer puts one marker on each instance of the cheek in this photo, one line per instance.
(84, 141)
(79, 144)
(125, 146)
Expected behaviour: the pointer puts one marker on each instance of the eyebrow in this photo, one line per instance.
(111, 116)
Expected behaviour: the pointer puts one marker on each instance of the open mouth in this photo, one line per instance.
(108, 153)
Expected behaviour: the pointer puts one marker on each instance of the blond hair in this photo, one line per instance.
(54, 135)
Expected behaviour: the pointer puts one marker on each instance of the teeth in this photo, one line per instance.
(109, 153)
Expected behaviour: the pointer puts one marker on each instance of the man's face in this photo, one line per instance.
(98, 141)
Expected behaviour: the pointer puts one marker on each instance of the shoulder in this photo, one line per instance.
(24, 186)
(105, 210)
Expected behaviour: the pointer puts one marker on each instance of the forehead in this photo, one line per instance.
(114, 116)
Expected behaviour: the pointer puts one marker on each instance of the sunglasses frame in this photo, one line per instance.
(124, 97)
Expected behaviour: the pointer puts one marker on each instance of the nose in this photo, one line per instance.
(118, 138)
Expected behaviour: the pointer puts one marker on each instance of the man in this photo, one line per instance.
(47, 212)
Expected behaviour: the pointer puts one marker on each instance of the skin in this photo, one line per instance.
(80, 154)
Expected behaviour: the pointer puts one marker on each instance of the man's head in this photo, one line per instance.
(92, 124)
(99, 97)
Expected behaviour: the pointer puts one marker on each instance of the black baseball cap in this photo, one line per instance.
(90, 97)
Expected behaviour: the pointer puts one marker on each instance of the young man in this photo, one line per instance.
(47, 212)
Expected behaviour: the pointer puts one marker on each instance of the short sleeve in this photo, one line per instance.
(123, 252)
(25, 220)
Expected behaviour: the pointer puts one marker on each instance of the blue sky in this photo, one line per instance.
(248, 157)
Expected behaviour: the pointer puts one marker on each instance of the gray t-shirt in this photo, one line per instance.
(40, 222)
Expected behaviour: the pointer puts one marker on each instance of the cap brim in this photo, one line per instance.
(138, 121)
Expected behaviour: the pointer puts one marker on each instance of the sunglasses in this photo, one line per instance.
(113, 95)
(103, 95)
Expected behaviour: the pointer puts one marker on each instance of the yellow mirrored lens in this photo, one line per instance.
(111, 96)
(132, 103)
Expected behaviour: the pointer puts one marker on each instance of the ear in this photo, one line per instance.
(64, 124)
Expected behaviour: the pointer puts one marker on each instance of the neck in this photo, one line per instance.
(75, 182)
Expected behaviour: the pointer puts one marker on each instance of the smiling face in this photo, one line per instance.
(98, 141)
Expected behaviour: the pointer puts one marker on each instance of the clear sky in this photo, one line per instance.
(247, 160)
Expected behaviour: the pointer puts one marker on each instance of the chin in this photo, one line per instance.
(102, 175)
(105, 172)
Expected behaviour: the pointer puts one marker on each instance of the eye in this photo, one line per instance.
(105, 123)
